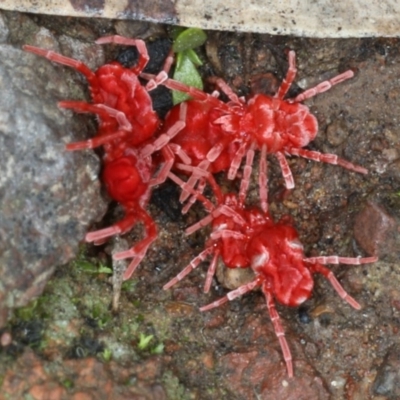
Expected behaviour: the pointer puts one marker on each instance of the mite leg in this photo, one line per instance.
(323, 86)
(335, 283)
(124, 225)
(286, 172)
(140, 45)
(103, 112)
(327, 158)
(244, 184)
(164, 139)
(162, 78)
(248, 287)
(236, 161)
(276, 321)
(190, 267)
(263, 179)
(138, 252)
(290, 75)
(69, 62)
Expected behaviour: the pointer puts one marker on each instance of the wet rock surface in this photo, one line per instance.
(232, 352)
(45, 192)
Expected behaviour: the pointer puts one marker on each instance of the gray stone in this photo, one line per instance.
(48, 196)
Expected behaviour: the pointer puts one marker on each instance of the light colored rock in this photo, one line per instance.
(325, 18)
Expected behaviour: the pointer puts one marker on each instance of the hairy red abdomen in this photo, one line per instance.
(280, 124)
(124, 180)
(277, 254)
(201, 134)
(120, 89)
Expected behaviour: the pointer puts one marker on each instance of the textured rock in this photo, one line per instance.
(80, 380)
(48, 197)
(387, 381)
(255, 368)
(376, 231)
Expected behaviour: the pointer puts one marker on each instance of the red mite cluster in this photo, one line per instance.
(199, 138)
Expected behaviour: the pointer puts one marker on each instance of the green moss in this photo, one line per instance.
(174, 389)
(129, 287)
(67, 383)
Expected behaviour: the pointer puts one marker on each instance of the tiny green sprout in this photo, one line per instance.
(103, 269)
(129, 285)
(139, 318)
(85, 266)
(106, 355)
(187, 60)
(159, 349)
(136, 303)
(91, 267)
(68, 383)
(26, 313)
(144, 340)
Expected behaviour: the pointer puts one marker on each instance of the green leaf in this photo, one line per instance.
(104, 269)
(158, 349)
(144, 341)
(189, 39)
(85, 266)
(106, 355)
(193, 57)
(187, 73)
(175, 31)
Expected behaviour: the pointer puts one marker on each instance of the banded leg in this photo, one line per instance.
(286, 172)
(323, 86)
(103, 112)
(200, 189)
(162, 76)
(211, 271)
(69, 62)
(169, 159)
(138, 252)
(207, 203)
(121, 227)
(225, 88)
(180, 153)
(341, 260)
(181, 87)
(263, 179)
(290, 75)
(241, 290)
(140, 45)
(244, 184)
(236, 161)
(199, 176)
(279, 332)
(164, 138)
(197, 173)
(335, 284)
(327, 158)
(221, 210)
(190, 267)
